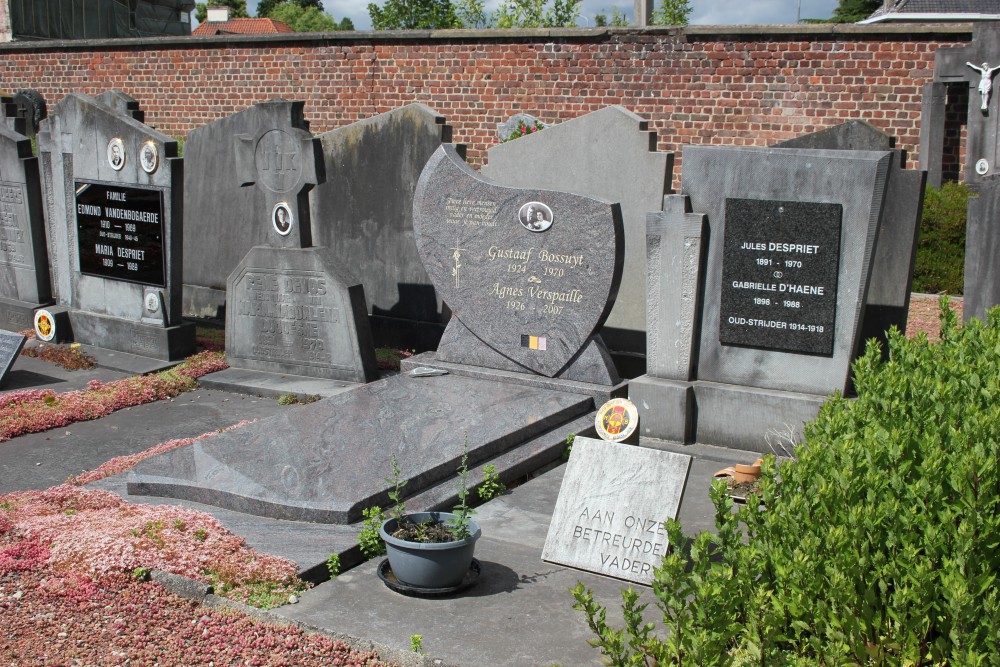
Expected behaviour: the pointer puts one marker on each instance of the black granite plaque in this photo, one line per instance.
(10, 347)
(120, 232)
(779, 275)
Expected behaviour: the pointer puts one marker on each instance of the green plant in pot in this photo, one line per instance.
(430, 550)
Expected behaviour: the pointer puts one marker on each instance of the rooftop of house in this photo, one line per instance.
(936, 10)
(241, 26)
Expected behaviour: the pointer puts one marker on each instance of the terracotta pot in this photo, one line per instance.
(744, 473)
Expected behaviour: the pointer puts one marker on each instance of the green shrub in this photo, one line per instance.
(369, 540)
(877, 545)
(940, 263)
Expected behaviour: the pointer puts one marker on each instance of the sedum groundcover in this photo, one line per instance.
(877, 544)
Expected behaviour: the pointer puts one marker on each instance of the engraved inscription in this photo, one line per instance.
(288, 315)
(779, 275)
(120, 232)
(471, 212)
(14, 239)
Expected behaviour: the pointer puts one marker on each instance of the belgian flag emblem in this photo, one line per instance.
(533, 342)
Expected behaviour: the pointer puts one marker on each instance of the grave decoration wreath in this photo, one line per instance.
(523, 129)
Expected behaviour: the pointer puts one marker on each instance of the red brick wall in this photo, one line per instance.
(700, 85)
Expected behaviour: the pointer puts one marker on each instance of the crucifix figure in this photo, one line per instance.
(985, 82)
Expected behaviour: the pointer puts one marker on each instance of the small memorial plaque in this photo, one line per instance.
(611, 508)
(120, 232)
(10, 347)
(779, 275)
(617, 420)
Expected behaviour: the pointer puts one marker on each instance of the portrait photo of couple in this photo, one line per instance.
(535, 216)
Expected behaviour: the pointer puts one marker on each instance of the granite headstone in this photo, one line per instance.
(10, 347)
(24, 263)
(291, 308)
(361, 208)
(529, 274)
(888, 300)
(608, 154)
(612, 504)
(115, 216)
(787, 268)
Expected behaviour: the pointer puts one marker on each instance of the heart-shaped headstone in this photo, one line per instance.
(532, 273)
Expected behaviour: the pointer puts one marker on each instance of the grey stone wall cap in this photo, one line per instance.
(928, 30)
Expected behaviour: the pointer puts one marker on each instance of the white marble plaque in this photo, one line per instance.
(611, 508)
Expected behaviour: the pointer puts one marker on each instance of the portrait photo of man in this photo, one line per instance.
(281, 218)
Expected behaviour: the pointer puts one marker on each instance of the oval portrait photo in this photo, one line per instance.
(116, 154)
(281, 218)
(535, 216)
(149, 157)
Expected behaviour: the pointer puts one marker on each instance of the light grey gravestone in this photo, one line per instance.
(291, 309)
(363, 212)
(888, 298)
(24, 263)
(787, 267)
(10, 347)
(612, 504)
(608, 154)
(529, 274)
(113, 189)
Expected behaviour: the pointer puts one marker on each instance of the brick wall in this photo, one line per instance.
(743, 86)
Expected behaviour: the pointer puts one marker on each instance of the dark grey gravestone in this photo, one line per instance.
(115, 216)
(9, 114)
(10, 347)
(527, 294)
(854, 135)
(31, 107)
(238, 170)
(716, 179)
(978, 66)
(791, 239)
(612, 504)
(24, 263)
(291, 309)
(326, 461)
(982, 246)
(895, 252)
(608, 154)
(363, 213)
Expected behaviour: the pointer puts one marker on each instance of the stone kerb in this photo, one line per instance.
(115, 218)
(24, 262)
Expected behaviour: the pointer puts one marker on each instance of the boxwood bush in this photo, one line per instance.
(876, 545)
(940, 262)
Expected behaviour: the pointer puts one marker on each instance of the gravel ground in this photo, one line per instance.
(925, 315)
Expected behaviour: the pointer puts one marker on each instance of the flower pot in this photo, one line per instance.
(744, 473)
(429, 564)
